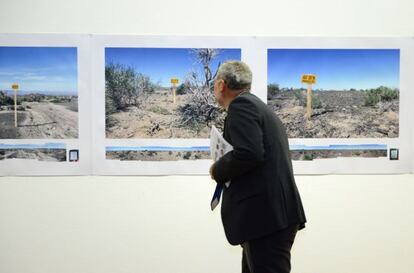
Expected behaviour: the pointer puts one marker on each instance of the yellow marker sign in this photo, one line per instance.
(309, 78)
(15, 87)
(174, 82)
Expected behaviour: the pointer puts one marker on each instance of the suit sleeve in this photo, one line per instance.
(246, 135)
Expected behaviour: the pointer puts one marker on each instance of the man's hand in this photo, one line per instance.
(211, 171)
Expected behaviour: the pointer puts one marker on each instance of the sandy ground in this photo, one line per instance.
(38, 154)
(342, 115)
(311, 155)
(157, 156)
(40, 120)
(7, 128)
(158, 117)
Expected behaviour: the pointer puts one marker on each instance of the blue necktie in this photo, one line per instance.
(216, 196)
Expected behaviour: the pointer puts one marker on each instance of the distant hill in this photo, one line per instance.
(46, 93)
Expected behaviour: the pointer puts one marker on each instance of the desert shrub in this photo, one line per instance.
(388, 94)
(110, 105)
(200, 110)
(181, 89)
(32, 98)
(298, 94)
(159, 110)
(61, 99)
(371, 98)
(187, 155)
(125, 87)
(272, 90)
(56, 100)
(308, 157)
(5, 100)
(382, 93)
(316, 102)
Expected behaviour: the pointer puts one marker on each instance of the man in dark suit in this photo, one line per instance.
(261, 208)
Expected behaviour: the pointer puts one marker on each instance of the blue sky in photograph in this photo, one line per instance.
(292, 147)
(33, 146)
(338, 147)
(157, 148)
(162, 64)
(39, 69)
(335, 69)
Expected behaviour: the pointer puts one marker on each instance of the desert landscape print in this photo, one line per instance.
(303, 152)
(38, 87)
(356, 93)
(157, 153)
(162, 92)
(54, 152)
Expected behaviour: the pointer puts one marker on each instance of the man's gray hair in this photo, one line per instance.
(237, 75)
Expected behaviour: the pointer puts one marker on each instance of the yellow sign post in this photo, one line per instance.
(309, 79)
(174, 82)
(15, 87)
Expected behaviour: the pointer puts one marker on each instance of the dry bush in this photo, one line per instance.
(124, 87)
(200, 109)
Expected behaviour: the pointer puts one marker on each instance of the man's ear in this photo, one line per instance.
(221, 85)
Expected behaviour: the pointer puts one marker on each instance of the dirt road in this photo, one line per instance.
(40, 120)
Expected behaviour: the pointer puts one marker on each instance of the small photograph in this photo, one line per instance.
(157, 153)
(73, 155)
(38, 93)
(54, 152)
(308, 153)
(394, 154)
(335, 93)
(162, 92)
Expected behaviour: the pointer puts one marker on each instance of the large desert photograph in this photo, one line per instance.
(38, 93)
(162, 92)
(335, 93)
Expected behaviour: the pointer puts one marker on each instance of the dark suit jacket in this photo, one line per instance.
(262, 197)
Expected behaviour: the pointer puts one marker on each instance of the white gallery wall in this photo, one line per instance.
(358, 224)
